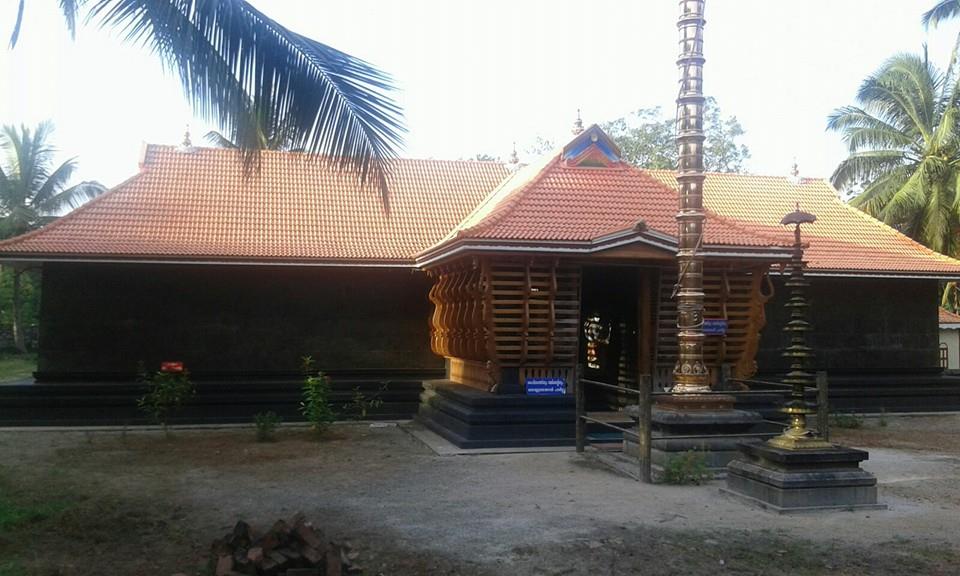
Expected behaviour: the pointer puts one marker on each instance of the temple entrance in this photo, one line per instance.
(617, 306)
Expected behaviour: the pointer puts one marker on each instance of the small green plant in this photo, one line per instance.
(166, 393)
(315, 405)
(882, 422)
(848, 421)
(361, 405)
(687, 468)
(266, 424)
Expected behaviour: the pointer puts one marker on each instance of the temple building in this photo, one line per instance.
(485, 275)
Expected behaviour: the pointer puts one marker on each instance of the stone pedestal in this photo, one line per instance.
(705, 424)
(802, 480)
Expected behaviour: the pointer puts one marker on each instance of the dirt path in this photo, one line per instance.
(412, 512)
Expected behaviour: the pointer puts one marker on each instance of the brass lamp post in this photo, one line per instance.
(797, 436)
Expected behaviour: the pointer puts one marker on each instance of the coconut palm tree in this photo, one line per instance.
(237, 65)
(33, 192)
(903, 142)
(943, 10)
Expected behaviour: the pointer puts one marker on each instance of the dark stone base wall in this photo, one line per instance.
(100, 320)
(860, 326)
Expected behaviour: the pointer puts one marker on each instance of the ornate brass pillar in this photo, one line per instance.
(797, 436)
(690, 373)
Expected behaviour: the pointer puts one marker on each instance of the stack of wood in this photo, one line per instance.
(292, 548)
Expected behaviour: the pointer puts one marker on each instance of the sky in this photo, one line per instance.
(478, 76)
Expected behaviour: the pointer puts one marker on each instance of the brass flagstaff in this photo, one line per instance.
(690, 372)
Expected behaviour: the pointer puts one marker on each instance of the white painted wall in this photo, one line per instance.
(951, 337)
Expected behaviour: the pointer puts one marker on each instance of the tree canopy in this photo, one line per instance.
(646, 139)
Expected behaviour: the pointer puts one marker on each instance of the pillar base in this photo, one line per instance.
(700, 422)
(805, 480)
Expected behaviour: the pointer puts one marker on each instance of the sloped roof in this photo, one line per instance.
(948, 317)
(558, 202)
(842, 240)
(200, 205)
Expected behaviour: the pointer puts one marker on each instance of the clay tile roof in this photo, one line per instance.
(948, 317)
(199, 205)
(553, 201)
(843, 239)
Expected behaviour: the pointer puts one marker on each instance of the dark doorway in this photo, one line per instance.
(610, 336)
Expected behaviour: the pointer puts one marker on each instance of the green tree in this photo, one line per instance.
(238, 67)
(902, 139)
(647, 139)
(33, 191)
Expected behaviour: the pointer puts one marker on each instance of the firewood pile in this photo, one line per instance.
(292, 548)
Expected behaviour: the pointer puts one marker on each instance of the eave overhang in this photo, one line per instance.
(206, 261)
(465, 246)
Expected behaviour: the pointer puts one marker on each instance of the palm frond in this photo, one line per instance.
(15, 35)
(865, 166)
(943, 10)
(878, 192)
(52, 185)
(217, 139)
(237, 65)
(70, 8)
(72, 197)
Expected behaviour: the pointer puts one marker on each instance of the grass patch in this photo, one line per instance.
(846, 421)
(14, 514)
(689, 467)
(17, 367)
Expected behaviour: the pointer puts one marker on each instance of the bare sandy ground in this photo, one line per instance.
(412, 511)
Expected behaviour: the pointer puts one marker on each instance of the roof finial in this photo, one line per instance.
(514, 159)
(578, 124)
(187, 144)
(795, 172)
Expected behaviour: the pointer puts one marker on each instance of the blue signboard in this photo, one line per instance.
(715, 326)
(546, 387)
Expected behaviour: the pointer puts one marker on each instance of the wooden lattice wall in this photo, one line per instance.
(736, 294)
(492, 314)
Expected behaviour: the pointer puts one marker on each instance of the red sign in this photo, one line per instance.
(171, 366)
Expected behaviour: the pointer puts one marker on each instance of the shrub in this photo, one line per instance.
(687, 468)
(849, 421)
(266, 423)
(315, 405)
(166, 393)
(361, 405)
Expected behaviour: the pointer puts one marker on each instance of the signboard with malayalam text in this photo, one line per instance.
(546, 386)
(715, 326)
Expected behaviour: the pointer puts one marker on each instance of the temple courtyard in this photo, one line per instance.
(136, 502)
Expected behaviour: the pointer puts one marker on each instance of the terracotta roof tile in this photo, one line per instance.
(199, 205)
(558, 202)
(948, 317)
(842, 239)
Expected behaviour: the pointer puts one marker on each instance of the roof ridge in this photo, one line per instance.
(507, 202)
(69, 216)
(165, 148)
